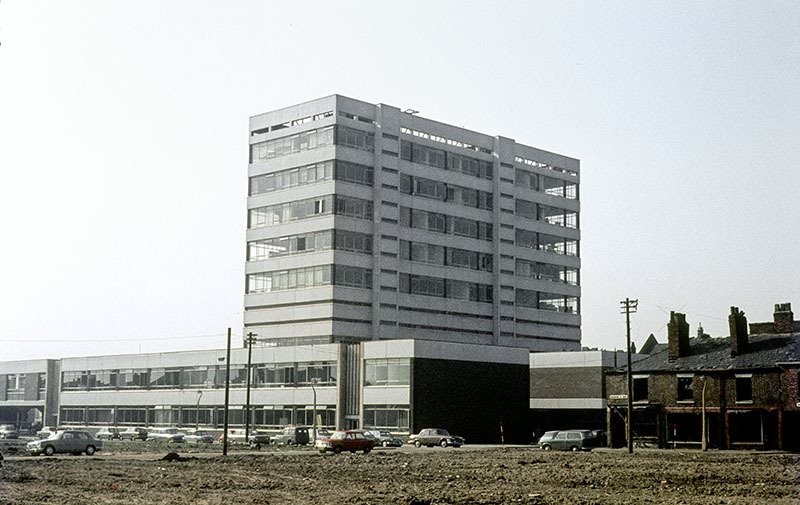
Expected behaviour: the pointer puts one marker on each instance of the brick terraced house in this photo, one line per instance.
(749, 381)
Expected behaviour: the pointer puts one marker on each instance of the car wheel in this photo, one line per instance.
(574, 448)
(337, 450)
(443, 443)
(385, 443)
(49, 450)
(367, 450)
(547, 448)
(89, 450)
(417, 444)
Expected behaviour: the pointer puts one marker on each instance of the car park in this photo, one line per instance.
(172, 435)
(350, 440)
(431, 437)
(67, 441)
(133, 434)
(8, 431)
(384, 438)
(568, 440)
(107, 434)
(292, 435)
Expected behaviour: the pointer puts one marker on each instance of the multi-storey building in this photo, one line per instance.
(366, 222)
(399, 272)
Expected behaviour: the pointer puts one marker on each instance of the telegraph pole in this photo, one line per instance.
(251, 338)
(629, 306)
(227, 396)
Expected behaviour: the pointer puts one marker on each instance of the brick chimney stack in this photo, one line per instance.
(677, 336)
(738, 326)
(784, 318)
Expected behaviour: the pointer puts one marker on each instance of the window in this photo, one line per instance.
(74, 380)
(292, 144)
(387, 372)
(352, 276)
(389, 417)
(355, 173)
(285, 179)
(640, 388)
(744, 388)
(353, 241)
(685, 388)
(357, 139)
(15, 386)
(293, 244)
(264, 282)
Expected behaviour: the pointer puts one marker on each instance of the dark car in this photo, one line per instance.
(292, 435)
(384, 438)
(133, 434)
(67, 441)
(199, 437)
(350, 440)
(107, 434)
(431, 437)
(568, 440)
(8, 431)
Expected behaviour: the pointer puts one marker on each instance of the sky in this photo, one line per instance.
(124, 130)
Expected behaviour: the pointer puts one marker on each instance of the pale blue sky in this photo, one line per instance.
(123, 148)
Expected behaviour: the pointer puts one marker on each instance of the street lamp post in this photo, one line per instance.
(197, 411)
(314, 412)
(704, 438)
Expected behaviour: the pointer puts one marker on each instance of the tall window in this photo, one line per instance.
(640, 388)
(685, 388)
(744, 388)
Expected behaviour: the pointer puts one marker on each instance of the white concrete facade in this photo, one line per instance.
(529, 290)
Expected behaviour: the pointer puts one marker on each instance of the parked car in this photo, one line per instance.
(71, 441)
(8, 431)
(350, 440)
(133, 434)
(321, 433)
(107, 434)
(46, 432)
(292, 435)
(199, 437)
(384, 438)
(172, 435)
(255, 438)
(567, 440)
(435, 436)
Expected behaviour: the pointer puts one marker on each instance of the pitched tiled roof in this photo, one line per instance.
(763, 351)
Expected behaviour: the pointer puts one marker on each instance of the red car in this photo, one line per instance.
(350, 440)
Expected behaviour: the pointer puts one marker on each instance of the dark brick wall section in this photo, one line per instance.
(470, 398)
(663, 389)
(574, 382)
(790, 384)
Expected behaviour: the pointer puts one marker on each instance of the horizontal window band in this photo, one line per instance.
(313, 302)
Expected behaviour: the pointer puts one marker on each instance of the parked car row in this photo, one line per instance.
(363, 440)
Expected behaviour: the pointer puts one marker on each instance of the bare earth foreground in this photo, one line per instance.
(407, 476)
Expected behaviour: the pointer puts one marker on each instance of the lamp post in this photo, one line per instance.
(314, 412)
(197, 411)
(704, 438)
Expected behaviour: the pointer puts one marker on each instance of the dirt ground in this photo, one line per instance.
(426, 476)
